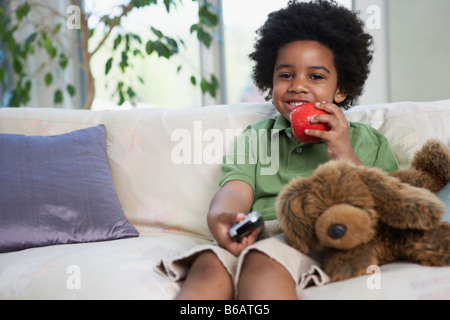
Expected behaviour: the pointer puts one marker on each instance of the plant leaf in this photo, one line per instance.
(117, 41)
(23, 10)
(58, 97)
(2, 74)
(150, 47)
(48, 79)
(108, 66)
(63, 61)
(71, 90)
(157, 32)
(31, 38)
(162, 49)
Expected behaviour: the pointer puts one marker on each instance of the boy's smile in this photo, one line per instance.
(304, 72)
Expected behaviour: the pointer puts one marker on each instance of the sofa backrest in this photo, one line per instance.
(407, 125)
(166, 164)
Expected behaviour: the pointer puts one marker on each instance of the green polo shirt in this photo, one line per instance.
(267, 157)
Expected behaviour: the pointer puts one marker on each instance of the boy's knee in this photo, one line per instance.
(208, 262)
(257, 260)
(262, 277)
(207, 273)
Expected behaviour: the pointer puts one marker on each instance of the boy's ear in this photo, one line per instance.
(340, 95)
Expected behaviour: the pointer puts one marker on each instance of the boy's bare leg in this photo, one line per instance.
(262, 278)
(207, 280)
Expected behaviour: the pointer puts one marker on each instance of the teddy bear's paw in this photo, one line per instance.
(429, 257)
(341, 265)
(433, 248)
(345, 272)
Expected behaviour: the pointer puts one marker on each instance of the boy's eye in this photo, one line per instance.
(317, 77)
(286, 76)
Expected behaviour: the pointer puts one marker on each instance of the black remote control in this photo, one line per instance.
(242, 229)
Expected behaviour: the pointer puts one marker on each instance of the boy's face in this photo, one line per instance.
(304, 72)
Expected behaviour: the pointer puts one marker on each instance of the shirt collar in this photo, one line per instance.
(281, 123)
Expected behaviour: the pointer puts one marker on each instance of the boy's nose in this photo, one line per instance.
(299, 85)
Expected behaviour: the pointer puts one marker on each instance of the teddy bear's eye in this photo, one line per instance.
(313, 212)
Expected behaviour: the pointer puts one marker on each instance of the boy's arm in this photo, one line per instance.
(228, 206)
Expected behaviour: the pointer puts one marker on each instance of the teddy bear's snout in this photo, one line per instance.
(344, 227)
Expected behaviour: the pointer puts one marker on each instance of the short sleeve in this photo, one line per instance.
(241, 163)
(372, 147)
(386, 159)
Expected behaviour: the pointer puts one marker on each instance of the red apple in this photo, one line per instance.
(300, 122)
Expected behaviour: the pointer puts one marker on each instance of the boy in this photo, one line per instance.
(309, 52)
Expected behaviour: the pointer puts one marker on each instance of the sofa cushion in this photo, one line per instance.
(58, 190)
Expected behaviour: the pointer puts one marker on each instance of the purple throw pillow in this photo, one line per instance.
(58, 190)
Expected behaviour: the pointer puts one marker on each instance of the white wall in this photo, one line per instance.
(373, 12)
(419, 42)
(412, 50)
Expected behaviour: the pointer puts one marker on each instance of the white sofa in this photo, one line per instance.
(165, 189)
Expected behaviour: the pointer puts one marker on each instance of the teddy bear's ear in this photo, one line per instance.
(401, 205)
(297, 225)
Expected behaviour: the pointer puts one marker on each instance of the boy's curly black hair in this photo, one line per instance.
(334, 26)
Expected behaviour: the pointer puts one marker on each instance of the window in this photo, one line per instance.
(164, 86)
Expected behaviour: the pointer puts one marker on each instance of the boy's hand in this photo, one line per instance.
(220, 226)
(337, 139)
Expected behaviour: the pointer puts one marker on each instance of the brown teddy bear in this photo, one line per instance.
(350, 218)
